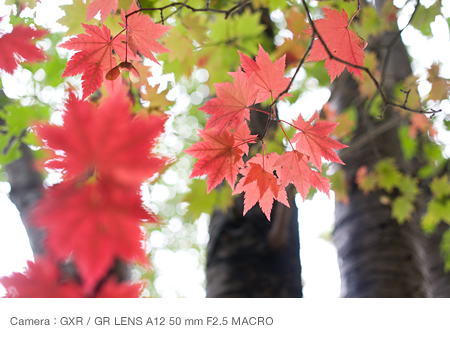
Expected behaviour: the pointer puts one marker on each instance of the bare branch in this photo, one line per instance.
(227, 13)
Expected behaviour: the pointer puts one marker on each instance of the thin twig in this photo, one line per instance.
(391, 44)
(302, 61)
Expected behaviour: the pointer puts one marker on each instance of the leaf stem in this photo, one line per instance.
(246, 141)
(285, 134)
(359, 8)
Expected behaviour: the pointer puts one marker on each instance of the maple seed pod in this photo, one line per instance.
(124, 66)
(112, 74)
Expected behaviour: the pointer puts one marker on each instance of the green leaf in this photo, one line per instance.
(402, 207)
(30, 3)
(375, 107)
(368, 23)
(425, 16)
(17, 120)
(408, 187)
(436, 212)
(445, 249)
(426, 171)
(75, 15)
(433, 152)
(388, 175)
(440, 186)
(408, 144)
(369, 183)
(12, 153)
(201, 202)
(447, 121)
(271, 4)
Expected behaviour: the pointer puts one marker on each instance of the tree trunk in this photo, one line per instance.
(439, 280)
(377, 256)
(248, 256)
(26, 189)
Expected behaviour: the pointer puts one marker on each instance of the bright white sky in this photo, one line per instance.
(180, 272)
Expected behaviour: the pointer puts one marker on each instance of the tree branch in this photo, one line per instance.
(183, 4)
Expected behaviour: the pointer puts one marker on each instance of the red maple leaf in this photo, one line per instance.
(18, 46)
(243, 136)
(319, 182)
(94, 224)
(341, 42)
(40, 280)
(95, 56)
(293, 167)
(105, 140)
(264, 179)
(104, 6)
(219, 157)
(269, 78)
(232, 104)
(264, 190)
(142, 33)
(313, 142)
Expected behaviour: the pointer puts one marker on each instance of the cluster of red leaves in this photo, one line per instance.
(226, 137)
(94, 216)
(95, 49)
(19, 45)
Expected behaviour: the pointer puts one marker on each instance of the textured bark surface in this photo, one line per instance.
(377, 256)
(439, 280)
(252, 257)
(26, 189)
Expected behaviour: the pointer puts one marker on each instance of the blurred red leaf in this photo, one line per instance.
(41, 280)
(19, 45)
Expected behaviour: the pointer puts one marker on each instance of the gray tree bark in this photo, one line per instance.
(248, 256)
(439, 279)
(26, 190)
